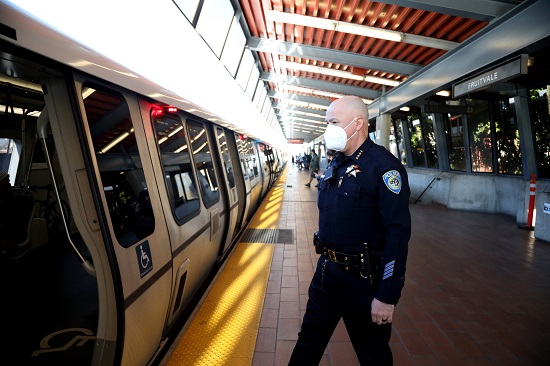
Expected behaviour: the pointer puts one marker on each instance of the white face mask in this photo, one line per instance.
(336, 137)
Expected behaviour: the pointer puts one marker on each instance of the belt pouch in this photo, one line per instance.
(317, 243)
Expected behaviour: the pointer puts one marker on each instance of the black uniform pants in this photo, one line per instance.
(334, 294)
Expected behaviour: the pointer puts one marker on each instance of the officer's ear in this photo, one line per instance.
(360, 122)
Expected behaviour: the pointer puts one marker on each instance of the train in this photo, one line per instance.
(120, 207)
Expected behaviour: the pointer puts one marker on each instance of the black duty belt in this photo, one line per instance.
(366, 264)
(342, 258)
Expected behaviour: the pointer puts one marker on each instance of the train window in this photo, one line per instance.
(251, 167)
(203, 163)
(242, 149)
(119, 164)
(10, 151)
(226, 158)
(255, 166)
(176, 163)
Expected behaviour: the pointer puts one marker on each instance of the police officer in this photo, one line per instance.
(364, 230)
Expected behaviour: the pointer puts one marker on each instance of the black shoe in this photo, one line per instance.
(308, 185)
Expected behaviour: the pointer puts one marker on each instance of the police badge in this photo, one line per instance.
(352, 171)
(392, 179)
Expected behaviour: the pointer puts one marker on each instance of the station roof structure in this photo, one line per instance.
(312, 51)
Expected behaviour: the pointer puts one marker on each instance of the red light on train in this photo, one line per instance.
(157, 112)
(243, 137)
(172, 109)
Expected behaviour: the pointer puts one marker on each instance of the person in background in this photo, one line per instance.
(364, 230)
(329, 154)
(313, 167)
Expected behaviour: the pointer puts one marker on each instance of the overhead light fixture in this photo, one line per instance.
(361, 30)
(294, 119)
(443, 93)
(292, 112)
(328, 24)
(116, 141)
(405, 109)
(20, 111)
(302, 104)
(333, 72)
(21, 83)
(313, 92)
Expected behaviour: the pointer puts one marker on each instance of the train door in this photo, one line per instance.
(188, 186)
(266, 172)
(43, 280)
(243, 148)
(234, 208)
(132, 221)
(256, 183)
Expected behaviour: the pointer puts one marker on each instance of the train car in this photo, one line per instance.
(118, 210)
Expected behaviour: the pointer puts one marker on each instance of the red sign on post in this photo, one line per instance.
(295, 141)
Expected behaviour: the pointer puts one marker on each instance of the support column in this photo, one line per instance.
(383, 124)
(441, 142)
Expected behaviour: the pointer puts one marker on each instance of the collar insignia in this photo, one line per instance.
(353, 170)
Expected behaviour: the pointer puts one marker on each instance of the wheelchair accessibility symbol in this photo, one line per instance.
(145, 261)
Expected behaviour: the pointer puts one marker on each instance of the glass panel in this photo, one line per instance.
(252, 83)
(429, 138)
(267, 107)
(393, 143)
(539, 107)
(233, 49)
(251, 167)
(9, 157)
(455, 132)
(401, 146)
(188, 7)
(119, 164)
(417, 142)
(245, 69)
(507, 137)
(260, 97)
(176, 164)
(226, 158)
(481, 143)
(242, 148)
(203, 163)
(214, 22)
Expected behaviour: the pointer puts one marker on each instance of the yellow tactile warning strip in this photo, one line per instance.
(267, 216)
(225, 328)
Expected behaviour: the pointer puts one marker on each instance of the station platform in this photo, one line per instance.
(477, 291)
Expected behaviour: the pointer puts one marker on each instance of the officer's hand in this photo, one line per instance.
(381, 313)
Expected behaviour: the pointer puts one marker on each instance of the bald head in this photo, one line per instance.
(352, 104)
(344, 110)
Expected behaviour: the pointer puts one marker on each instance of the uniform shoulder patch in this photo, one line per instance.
(392, 179)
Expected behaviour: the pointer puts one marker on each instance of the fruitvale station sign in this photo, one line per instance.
(497, 75)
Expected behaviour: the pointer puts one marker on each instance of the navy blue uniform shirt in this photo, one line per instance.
(367, 201)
